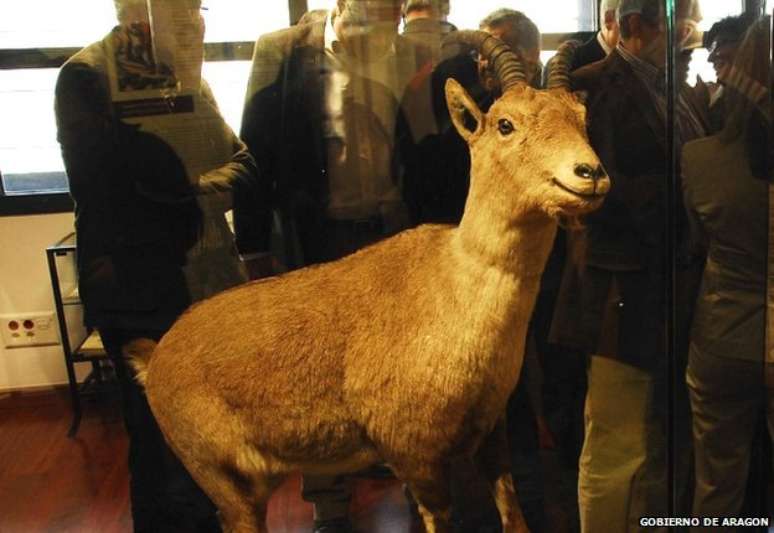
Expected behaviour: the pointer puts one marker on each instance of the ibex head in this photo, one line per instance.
(531, 145)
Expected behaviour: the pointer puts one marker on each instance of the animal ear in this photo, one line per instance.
(463, 110)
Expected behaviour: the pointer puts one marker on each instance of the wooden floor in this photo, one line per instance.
(51, 483)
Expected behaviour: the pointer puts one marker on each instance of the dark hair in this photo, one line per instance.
(413, 5)
(651, 14)
(520, 29)
(730, 29)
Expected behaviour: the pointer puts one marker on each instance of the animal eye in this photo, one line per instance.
(505, 126)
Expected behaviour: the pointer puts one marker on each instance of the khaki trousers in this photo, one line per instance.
(622, 474)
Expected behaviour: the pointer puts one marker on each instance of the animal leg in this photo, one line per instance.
(494, 461)
(430, 488)
(241, 497)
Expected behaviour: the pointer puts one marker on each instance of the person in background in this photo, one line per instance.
(691, 42)
(315, 15)
(424, 22)
(564, 386)
(520, 33)
(323, 119)
(527, 428)
(439, 183)
(726, 183)
(439, 179)
(721, 41)
(605, 40)
(150, 215)
(613, 307)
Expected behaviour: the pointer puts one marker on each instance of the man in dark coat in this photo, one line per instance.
(323, 120)
(300, 111)
(614, 308)
(150, 217)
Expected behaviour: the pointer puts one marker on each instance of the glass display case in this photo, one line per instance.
(425, 186)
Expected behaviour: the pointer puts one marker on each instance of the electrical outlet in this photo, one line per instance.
(29, 329)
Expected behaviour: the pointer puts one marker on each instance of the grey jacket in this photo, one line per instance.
(729, 212)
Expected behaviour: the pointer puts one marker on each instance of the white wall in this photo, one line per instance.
(25, 287)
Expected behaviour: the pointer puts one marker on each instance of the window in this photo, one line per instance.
(575, 17)
(30, 160)
(29, 152)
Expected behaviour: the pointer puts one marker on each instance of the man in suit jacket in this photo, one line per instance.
(614, 308)
(323, 121)
(150, 220)
(603, 42)
(314, 89)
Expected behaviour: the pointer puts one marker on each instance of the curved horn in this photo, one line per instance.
(505, 64)
(559, 66)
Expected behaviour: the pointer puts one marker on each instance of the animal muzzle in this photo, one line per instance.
(590, 181)
(588, 172)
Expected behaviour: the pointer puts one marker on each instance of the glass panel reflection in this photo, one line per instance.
(346, 130)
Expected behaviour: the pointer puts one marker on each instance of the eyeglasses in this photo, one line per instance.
(722, 53)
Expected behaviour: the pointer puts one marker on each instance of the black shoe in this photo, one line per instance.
(335, 525)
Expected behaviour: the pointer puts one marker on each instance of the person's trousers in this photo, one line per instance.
(330, 496)
(164, 497)
(622, 474)
(727, 398)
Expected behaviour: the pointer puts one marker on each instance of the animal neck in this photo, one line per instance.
(491, 238)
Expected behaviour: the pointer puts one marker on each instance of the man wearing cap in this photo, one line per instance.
(614, 308)
(323, 120)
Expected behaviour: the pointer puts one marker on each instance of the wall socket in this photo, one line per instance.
(29, 329)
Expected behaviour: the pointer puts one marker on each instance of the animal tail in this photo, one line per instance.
(139, 352)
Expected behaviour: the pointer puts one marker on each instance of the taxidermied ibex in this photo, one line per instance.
(404, 352)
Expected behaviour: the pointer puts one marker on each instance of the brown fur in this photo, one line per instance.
(139, 352)
(405, 351)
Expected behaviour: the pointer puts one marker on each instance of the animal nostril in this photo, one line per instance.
(599, 173)
(585, 171)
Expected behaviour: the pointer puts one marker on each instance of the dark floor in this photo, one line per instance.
(52, 483)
